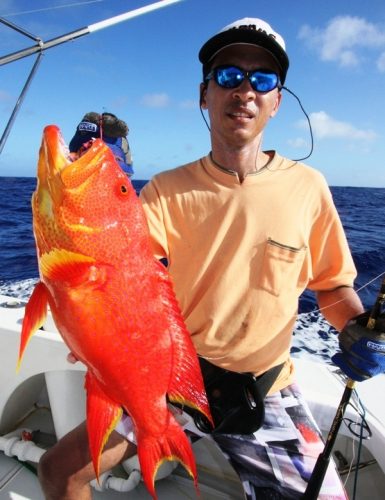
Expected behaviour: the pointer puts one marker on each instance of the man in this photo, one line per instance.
(245, 232)
(108, 127)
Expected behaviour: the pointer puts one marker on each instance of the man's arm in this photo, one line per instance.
(340, 305)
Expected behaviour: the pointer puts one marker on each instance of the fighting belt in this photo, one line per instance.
(236, 399)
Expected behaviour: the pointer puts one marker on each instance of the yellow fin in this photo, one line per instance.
(64, 265)
(34, 318)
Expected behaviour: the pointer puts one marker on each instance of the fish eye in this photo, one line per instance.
(123, 189)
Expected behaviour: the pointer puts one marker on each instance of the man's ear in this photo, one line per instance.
(202, 95)
(277, 104)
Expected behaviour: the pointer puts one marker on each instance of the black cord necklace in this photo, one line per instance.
(304, 112)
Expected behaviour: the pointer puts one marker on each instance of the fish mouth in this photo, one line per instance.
(56, 168)
(57, 172)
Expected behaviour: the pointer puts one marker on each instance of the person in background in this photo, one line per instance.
(245, 232)
(111, 130)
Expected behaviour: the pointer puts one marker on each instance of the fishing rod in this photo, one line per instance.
(40, 46)
(319, 471)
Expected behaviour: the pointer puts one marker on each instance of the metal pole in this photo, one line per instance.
(41, 45)
(18, 29)
(129, 15)
(19, 103)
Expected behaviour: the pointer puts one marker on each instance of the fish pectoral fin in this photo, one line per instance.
(102, 416)
(34, 317)
(173, 444)
(62, 265)
(74, 269)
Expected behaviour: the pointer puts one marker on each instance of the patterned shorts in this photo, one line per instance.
(276, 461)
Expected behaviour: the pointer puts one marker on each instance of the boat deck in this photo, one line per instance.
(38, 395)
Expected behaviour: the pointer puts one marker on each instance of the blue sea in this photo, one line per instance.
(362, 212)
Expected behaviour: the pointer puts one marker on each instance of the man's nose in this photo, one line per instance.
(245, 91)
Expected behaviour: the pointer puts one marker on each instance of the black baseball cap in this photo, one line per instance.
(250, 31)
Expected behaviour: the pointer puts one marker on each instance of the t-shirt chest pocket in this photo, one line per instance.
(281, 267)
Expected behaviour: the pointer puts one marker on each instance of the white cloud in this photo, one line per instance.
(324, 127)
(297, 143)
(381, 63)
(119, 102)
(156, 100)
(189, 104)
(344, 39)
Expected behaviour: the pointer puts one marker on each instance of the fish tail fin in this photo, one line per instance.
(102, 416)
(172, 445)
(34, 318)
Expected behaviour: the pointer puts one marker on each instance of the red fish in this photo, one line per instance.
(113, 304)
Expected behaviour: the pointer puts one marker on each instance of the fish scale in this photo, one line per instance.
(113, 304)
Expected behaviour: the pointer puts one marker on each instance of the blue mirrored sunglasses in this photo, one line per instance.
(231, 77)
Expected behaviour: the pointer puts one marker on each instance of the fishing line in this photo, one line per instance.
(361, 411)
(351, 463)
(359, 408)
(53, 8)
(357, 290)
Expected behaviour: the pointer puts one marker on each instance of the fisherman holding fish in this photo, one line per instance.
(245, 232)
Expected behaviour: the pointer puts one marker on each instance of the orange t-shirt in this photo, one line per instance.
(241, 254)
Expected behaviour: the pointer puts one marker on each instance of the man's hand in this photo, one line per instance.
(362, 353)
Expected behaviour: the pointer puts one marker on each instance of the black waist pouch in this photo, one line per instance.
(236, 399)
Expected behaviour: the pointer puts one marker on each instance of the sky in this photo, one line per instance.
(146, 71)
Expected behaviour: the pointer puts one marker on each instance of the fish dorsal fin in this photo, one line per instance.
(64, 265)
(34, 317)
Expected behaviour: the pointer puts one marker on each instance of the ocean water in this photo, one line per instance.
(362, 212)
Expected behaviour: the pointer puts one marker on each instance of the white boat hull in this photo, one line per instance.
(47, 394)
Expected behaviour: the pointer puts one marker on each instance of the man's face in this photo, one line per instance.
(238, 116)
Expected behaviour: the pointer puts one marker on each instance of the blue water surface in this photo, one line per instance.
(362, 212)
